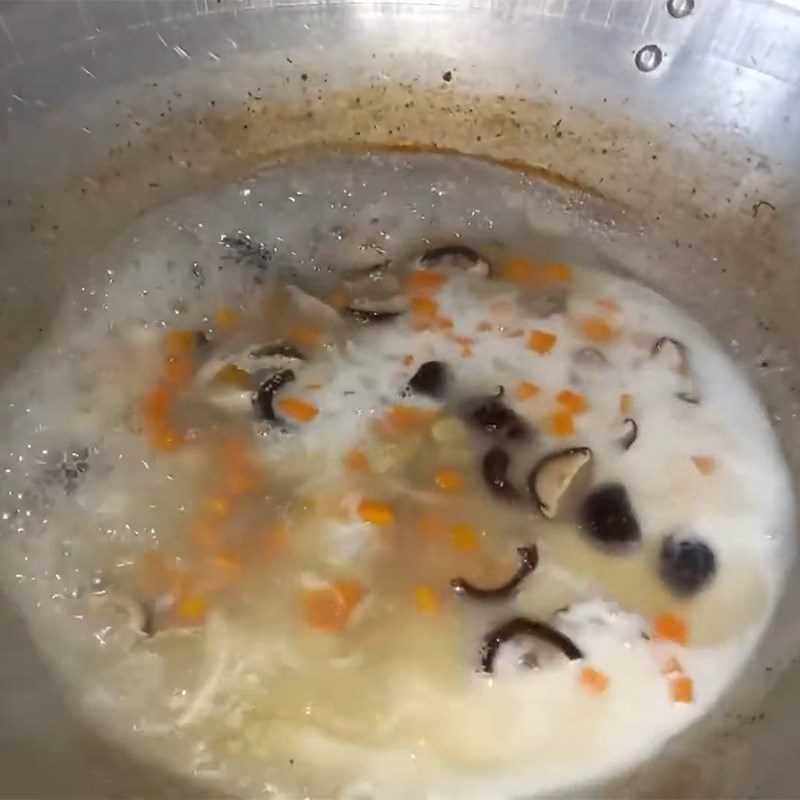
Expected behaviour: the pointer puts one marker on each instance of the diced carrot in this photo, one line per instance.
(485, 326)
(192, 609)
(562, 424)
(230, 375)
(522, 270)
(165, 438)
(596, 329)
(297, 408)
(572, 401)
(525, 390)
(177, 370)
(356, 461)
(463, 340)
(180, 342)
(350, 591)
(705, 465)
(671, 628)
(404, 420)
(330, 608)
(425, 307)
(626, 405)
(448, 480)
(427, 600)
(430, 525)
(337, 299)
(304, 335)
(467, 351)
(541, 342)
(155, 405)
(376, 513)
(227, 319)
(682, 689)
(557, 273)
(408, 361)
(593, 680)
(464, 537)
(425, 280)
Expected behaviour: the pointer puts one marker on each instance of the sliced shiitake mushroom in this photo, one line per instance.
(263, 397)
(495, 474)
(673, 352)
(608, 517)
(519, 627)
(528, 561)
(430, 379)
(368, 315)
(676, 356)
(277, 349)
(550, 479)
(630, 433)
(377, 295)
(494, 417)
(459, 256)
(137, 616)
(687, 565)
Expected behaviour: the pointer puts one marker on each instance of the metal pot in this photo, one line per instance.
(680, 117)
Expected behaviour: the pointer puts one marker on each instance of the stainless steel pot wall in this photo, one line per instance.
(681, 118)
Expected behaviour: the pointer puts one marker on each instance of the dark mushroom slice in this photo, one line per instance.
(494, 417)
(138, 616)
(367, 316)
(263, 397)
(279, 349)
(550, 479)
(528, 561)
(518, 627)
(430, 379)
(686, 565)
(630, 435)
(688, 397)
(495, 474)
(608, 517)
(673, 352)
(676, 356)
(459, 256)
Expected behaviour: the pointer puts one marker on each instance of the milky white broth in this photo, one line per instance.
(174, 562)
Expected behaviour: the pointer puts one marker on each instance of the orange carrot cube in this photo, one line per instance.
(562, 424)
(376, 513)
(672, 628)
(572, 401)
(541, 342)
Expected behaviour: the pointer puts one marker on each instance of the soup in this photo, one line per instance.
(389, 502)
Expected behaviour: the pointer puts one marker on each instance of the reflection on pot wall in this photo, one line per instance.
(673, 123)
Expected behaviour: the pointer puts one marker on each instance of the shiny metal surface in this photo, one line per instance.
(679, 117)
